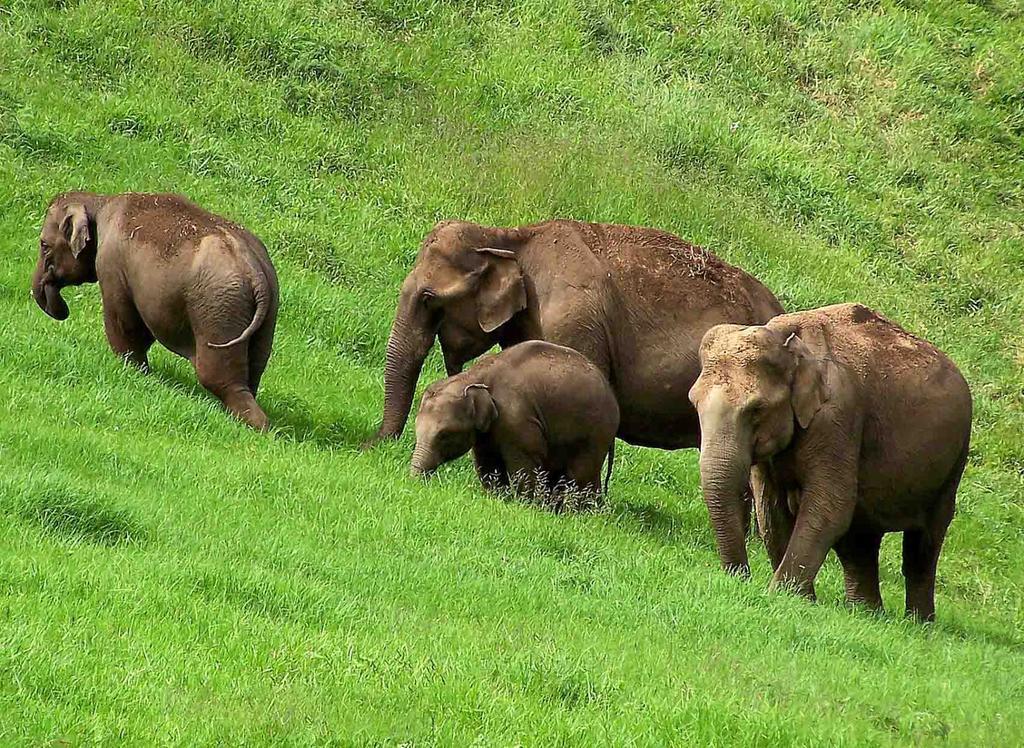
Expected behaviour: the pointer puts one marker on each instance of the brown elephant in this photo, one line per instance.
(848, 427)
(169, 271)
(635, 301)
(534, 412)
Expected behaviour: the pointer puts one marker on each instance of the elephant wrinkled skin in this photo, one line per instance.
(848, 427)
(169, 271)
(635, 301)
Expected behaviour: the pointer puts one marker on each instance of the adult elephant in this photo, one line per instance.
(635, 301)
(848, 427)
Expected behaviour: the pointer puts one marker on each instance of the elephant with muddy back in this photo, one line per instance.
(169, 271)
(635, 301)
(848, 427)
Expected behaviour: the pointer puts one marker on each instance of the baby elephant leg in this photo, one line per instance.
(225, 373)
(524, 457)
(584, 470)
(490, 467)
(524, 472)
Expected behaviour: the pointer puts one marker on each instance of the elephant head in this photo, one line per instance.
(465, 286)
(756, 387)
(451, 414)
(67, 253)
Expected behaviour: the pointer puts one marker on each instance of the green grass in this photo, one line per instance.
(167, 576)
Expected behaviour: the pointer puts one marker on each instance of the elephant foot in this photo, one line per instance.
(257, 420)
(377, 439)
(249, 412)
(797, 587)
(741, 570)
(871, 606)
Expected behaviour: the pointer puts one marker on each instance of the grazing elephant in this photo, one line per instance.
(534, 410)
(169, 271)
(635, 301)
(848, 427)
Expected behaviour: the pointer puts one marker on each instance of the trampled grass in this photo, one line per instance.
(166, 576)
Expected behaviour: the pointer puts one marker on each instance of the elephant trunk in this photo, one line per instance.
(412, 335)
(724, 476)
(423, 464)
(47, 293)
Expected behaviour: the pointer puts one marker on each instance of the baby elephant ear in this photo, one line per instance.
(810, 386)
(75, 227)
(501, 292)
(484, 409)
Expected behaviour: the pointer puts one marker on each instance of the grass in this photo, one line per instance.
(167, 576)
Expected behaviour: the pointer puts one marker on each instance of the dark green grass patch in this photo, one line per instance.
(71, 515)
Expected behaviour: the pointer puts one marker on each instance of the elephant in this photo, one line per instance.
(536, 411)
(847, 427)
(169, 271)
(635, 301)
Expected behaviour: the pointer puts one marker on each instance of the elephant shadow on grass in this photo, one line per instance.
(986, 634)
(660, 524)
(76, 516)
(289, 416)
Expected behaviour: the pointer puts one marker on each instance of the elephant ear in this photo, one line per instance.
(811, 388)
(483, 407)
(501, 293)
(75, 227)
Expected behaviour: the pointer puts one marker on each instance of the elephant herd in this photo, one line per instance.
(838, 423)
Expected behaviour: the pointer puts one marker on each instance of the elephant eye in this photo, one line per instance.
(429, 298)
(755, 405)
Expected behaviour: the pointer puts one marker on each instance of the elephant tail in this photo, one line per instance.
(261, 293)
(608, 470)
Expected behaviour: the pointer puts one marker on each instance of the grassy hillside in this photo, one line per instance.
(167, 576)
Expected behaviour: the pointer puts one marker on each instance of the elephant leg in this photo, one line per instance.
(558, 488)
(921, 549)
(127, 334)
(920, 557)
(225, 373)
(858, 553)
(774, 520)
(823, 518)
(490, 467)
(584, 470)
(525, 456)
(259, 353)
(525, 474)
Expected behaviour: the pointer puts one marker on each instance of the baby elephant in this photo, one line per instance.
(848, 427)
(538, 416)
(169, 271)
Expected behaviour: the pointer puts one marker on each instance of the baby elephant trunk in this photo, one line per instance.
(423, 463)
